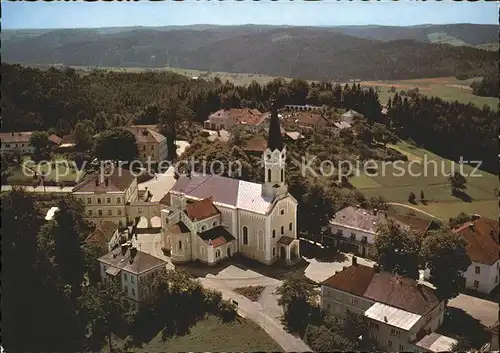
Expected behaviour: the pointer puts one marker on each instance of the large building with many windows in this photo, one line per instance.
(209, 218)
(403, 313)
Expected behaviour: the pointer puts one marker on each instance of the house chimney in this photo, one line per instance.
(385, 318)
(475, 217)
(376, 268)
(471, 226)
(133, 252)
(357, 206)
(354, 260)
(124, 247)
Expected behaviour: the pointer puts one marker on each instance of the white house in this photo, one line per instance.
(483, 249)
(133, 269)
(209, 218)
(403, 314)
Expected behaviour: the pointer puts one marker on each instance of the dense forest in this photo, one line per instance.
(313, 53)
(56, 100)
(488, 86)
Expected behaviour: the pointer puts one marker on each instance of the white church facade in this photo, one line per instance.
(209, 218)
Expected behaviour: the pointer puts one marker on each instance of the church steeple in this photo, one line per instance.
(274, 140)
(274, 158)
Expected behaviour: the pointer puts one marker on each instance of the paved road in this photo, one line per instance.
(415, 209)
(260, 315)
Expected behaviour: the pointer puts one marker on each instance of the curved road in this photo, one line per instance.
(415, 209)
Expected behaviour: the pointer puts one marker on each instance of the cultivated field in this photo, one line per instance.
(447, 88)
(433, 181)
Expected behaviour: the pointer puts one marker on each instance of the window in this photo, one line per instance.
(476, 284)
(180, 245)
(364, 239)
(282, 175)
(395, 332)
(274, 233)
(282, 230)
(282, 211)
(269, 175)
(340, 232)
(99, 212)
(152, 147)
(274, 251)
(203, 227)
(108, 200)
(217, 253)
(124, 276)
(354, 300)
(98, 200)
(89, 200)
(125, 289)
(144, 147)
(290, 226)
(214, 224)
(119, 212)
(353, 236)
(328, 306)
(478, 270)
(401, 347)
(389, 343)
(245, 235)
(110, 212)
(90, 213)
(132, 279)
(118, 200)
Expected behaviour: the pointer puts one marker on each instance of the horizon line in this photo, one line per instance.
(247, 24)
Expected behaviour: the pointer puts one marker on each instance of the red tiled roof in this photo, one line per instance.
(179, 228)
(255, 144)
(56, 139)
(217, 236)
(384, 287)
(102, 234)
(120, 180)
(482, 240)
(202, 209)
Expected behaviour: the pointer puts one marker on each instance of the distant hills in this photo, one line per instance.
(317, 53)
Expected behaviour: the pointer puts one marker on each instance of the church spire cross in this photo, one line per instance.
(274, 140)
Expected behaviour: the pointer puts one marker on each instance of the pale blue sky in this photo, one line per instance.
(324, 13)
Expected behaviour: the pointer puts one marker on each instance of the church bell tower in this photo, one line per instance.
(274, 158)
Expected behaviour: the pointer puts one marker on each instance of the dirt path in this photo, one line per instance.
(415, 209)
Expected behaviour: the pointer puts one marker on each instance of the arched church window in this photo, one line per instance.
(282, 175)
(245, 235)
(269, 175)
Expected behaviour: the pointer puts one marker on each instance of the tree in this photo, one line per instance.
(460, 219)
(40, 141)
(84, 131)
(398, 249)
(105, 308)
(462, 345)
(69, 230)
(445, 255)
(382, 134)
(412, 197)
(457, 182)
(116, 145)
(296, 298)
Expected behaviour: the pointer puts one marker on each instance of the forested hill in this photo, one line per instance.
(316, 53)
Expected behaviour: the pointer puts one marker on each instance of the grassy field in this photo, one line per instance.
(211, 335)
(429, 172)
(446, 88)
(57, 167)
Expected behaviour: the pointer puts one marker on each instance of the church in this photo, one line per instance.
(209, 218)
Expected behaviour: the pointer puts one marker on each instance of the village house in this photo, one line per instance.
(350, 117)
(209, 218)
(17, 141)
(403, 314)
(115, 198)
(483, 249)
(151, 145)
(133, 269)
(106, 235)
(250, 120)
(304, 119)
